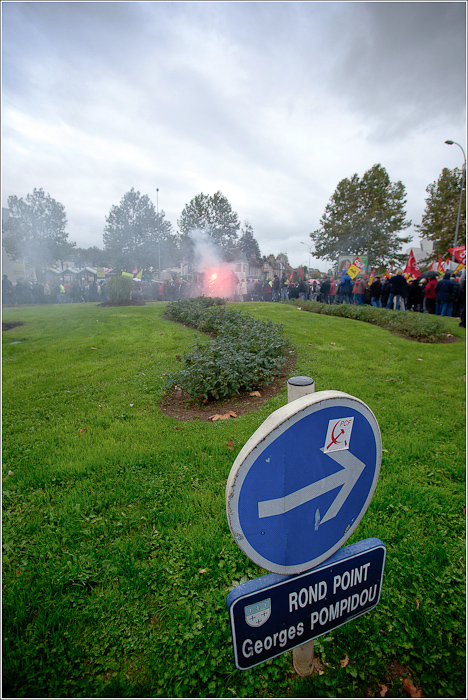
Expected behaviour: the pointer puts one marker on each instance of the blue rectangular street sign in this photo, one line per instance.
(277, 612)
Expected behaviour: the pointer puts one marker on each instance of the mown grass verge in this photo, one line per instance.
(426, 328)
(117, 553)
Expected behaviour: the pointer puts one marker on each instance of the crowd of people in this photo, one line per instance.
(33, 292)
(444, 297)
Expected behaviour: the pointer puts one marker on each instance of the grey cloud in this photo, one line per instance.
(402, 63)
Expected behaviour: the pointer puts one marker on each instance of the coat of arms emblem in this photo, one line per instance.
(258, 613)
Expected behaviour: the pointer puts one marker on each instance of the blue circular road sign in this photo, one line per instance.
(301, 484)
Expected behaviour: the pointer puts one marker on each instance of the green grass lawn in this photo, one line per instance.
(117, 556)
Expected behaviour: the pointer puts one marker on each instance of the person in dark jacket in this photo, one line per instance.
(346, 288)
(445, 295)
(376, 292)
(415, 296)
(325, 290)
(462, 292)
(398, 289)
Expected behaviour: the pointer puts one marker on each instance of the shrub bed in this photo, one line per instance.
(244, 355)
(426, 328)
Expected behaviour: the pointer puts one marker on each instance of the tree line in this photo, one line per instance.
(365, 215)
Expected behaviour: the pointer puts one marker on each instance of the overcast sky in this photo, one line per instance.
(272, 103)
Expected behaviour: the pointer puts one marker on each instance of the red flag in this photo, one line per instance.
(301, 273)
(291, 275)
(358, 262)
(440, 265)
(412, 266)
(459, 253)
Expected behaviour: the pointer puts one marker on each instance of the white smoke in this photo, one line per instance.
(217, 276)
(206, 253)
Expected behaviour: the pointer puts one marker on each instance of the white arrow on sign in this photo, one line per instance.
(346, 478)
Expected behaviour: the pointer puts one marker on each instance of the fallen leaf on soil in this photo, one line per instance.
(177, 427)
(303, 331)
(230, 444)
(464, 511)
(255, 393)
(383, 690)
(10, 473)
(344, 662)
(83, 430)
(332, 343)
(411, 689)
(417, 603)
(202, 571)
(223, 416)
(419, 359)
(93, 348)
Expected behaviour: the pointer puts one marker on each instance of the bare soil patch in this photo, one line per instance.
(9, 326)
(179, 405)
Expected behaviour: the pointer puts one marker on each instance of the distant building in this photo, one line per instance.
(426, 248)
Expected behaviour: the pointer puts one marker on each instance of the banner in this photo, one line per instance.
(138, 276)
(459, 253)
(18, 267)
(355, 268)
(127, 274)
(100, 273)
(459, 268)
(440, 265)
(412, 266)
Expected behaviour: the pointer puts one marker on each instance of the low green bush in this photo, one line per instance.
(426, 328)
(244, 355)
(119, 288)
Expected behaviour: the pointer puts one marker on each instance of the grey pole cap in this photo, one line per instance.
(300, 386)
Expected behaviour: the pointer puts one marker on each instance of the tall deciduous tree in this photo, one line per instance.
(35, 230)
(135, 235)
(248, 243)
(364, 215)
(215, 217)
(439, 220)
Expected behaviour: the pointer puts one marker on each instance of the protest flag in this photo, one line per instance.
(412, 266)
(138, 276)
(459, 253)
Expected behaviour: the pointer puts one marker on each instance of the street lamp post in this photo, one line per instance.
(450, 143)
(309, 247)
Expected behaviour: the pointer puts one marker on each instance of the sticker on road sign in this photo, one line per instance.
(338, 434)
(300, 486)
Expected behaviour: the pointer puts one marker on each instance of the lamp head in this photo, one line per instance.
(450, 143)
